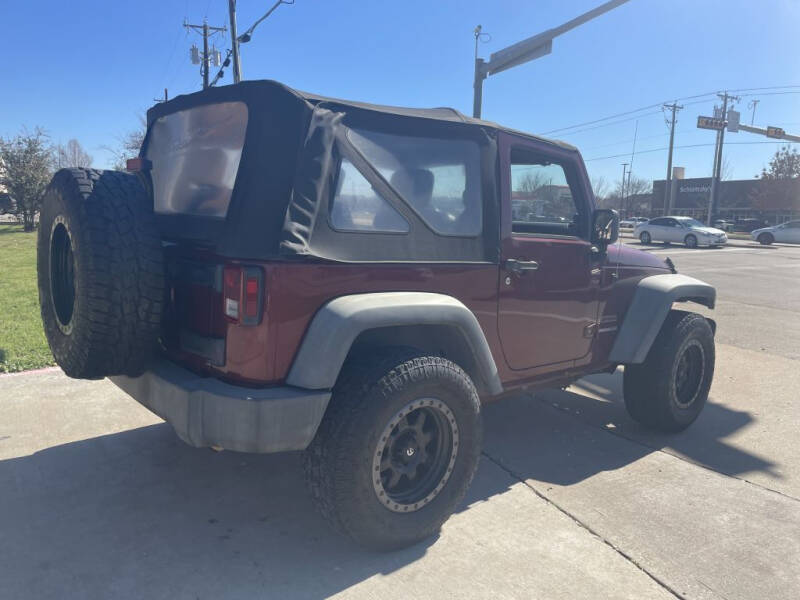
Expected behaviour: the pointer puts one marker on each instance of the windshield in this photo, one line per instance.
(688, 222)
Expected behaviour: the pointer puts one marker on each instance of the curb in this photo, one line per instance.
(30, 371)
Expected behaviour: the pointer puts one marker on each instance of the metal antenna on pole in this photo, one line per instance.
(752, 104)
(622, 187)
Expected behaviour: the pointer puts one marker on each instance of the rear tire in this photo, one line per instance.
(669, 389)
(765, 239)
(397, 448)
(100, 273)
(645, 238)
(690, 241)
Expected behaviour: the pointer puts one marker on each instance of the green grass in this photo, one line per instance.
(22, 342)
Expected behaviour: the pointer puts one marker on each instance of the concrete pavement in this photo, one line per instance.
(100, 500)
(572, 499)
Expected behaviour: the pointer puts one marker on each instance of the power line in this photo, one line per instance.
(684, 146)
(630, 112)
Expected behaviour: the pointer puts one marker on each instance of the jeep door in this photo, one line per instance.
(549, 272)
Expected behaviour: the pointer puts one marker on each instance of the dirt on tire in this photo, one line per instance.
(100, 273)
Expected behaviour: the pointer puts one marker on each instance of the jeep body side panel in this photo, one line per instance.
(652, 300)
(337, 325)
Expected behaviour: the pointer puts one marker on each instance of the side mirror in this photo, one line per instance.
(605, 226)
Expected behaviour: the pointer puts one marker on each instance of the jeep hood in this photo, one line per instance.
(632, 257)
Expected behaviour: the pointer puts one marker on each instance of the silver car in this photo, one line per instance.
(681, 230)
(788, 233)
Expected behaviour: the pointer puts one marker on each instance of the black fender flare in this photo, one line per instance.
(651, 303)
(340, 321)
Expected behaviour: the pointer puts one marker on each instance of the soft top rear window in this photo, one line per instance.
(195, 155)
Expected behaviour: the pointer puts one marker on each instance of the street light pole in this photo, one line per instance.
(237, 66)
(528, 49)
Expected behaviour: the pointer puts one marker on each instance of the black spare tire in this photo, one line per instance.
(100, 273)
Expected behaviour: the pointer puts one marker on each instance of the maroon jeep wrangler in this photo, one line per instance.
(281, 271)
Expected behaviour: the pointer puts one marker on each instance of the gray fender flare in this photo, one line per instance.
(651, 303)
(338, 323)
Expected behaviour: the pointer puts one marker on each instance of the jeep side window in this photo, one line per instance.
(541, 197)
(357, 206)
(438, 178)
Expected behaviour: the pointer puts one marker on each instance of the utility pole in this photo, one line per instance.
(528, 49)
(205, 59)
(674, 107)
(237, 66)
(713, 203)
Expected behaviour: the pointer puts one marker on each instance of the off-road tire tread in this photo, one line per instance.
(646, 386)
(122, 268)
(333, 455)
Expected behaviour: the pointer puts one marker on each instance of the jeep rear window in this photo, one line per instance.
(195, 155)
(438, 178)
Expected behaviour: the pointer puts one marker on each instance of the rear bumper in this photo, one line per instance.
(208, 412)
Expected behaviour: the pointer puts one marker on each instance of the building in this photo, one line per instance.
(774, 201)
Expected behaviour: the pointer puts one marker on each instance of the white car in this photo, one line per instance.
(786, 232)
(632, 222)
(682, 230)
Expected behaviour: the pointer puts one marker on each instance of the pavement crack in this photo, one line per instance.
(627, 557)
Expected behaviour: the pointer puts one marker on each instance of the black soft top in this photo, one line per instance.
(292, 146)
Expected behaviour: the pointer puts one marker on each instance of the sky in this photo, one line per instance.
(88, 69)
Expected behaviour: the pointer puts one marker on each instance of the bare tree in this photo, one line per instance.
(531, 183)
(635, 187)
(72, 155)
(726, 173)
(26, 166)
(599, 187)
(128, 145)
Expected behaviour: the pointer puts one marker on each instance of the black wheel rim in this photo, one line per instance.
(415, 455)
(645, 238)
(689, 373)
(62, 275)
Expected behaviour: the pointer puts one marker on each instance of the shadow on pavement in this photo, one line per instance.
(703, 442)
(140, 514)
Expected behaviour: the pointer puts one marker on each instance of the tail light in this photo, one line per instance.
(243, 294)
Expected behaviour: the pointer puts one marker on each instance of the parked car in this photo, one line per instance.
(281, 271)
(724, 225)
(632, 222)
(788, 233)
(682, 230)
(748, 225)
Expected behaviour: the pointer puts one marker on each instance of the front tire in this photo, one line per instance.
(690, 241)
(765, 239)
(645, 238)
(669, 389)
(397, 448)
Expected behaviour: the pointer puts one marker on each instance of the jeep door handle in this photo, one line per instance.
(520, 267)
